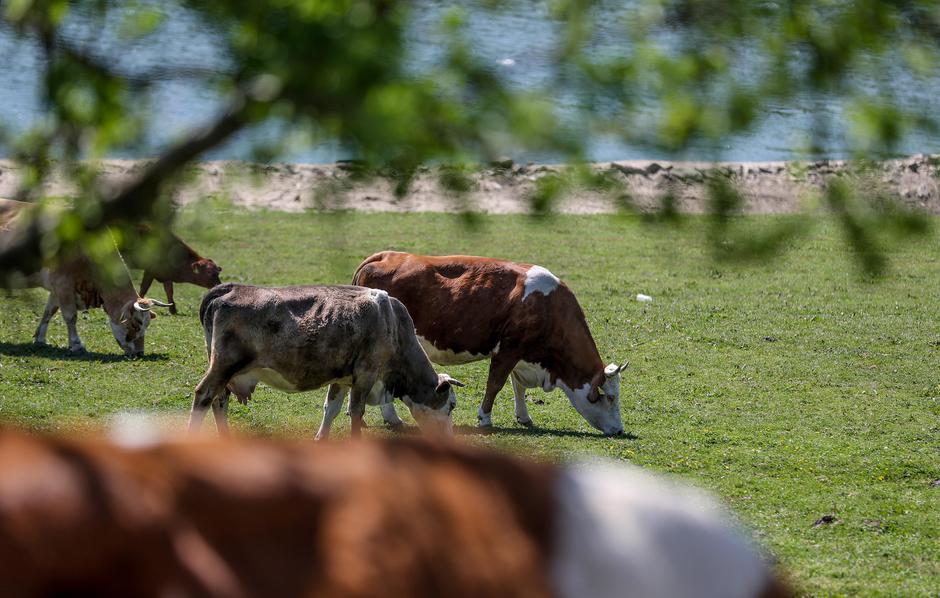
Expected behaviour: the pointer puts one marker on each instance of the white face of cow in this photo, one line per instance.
(437, 420)
(600, 405)
(130, 329)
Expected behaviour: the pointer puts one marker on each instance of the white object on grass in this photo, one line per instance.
(643, 298)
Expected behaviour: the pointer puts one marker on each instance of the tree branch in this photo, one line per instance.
(21, 250)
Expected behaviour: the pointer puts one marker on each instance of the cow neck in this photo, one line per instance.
(415, 370)
(114, 300)
(572, 357)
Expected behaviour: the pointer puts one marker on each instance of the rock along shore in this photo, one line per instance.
(768, 187)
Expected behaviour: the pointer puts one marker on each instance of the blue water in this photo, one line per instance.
(517, 42)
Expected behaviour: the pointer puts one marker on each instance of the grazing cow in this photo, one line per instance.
(178, 262)
(74, 284)
(520, 316)
(305, 337)
(393, 518)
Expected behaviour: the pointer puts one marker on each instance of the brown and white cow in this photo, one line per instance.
(304, 337)
(177, 262)
(394, 518)
(74, 285)
(520, 316)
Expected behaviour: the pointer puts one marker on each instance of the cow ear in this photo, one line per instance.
(195, 267)
(152, 315)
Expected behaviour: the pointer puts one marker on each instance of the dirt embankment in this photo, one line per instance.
(768, 187)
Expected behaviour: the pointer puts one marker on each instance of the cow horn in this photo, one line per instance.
(160, 303)
(140, 307)
(447, 378)
(624, 366)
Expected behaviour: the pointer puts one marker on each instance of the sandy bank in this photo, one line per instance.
(769, 187)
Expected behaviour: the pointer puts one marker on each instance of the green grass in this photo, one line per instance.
(839, 414)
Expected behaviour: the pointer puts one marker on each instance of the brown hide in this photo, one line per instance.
(178, 262)
(469, 304)
(258, 518)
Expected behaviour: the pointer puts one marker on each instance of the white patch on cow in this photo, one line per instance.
(378, 295)
(539, 280)
(532, 375)
(622, 529)
(448, 357)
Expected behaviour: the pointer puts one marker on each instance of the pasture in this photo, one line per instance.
(794, 390)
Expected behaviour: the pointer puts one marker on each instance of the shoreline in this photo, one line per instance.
(505, 187)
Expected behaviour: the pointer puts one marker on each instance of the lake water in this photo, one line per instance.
(517, 42)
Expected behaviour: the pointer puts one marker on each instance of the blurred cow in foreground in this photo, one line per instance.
(396, 518)
(305, 337)
(177, 262)
(75, 284)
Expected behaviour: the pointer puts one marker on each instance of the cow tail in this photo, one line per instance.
(357, 277)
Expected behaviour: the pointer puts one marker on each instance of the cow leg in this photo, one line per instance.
(70, 315)
(500, 367)
(212, 385)
(52, 306)
(145, 283)
(389, 414)
(220, 412)
(168, 288)
(518, 393)
(358, 395)
(331, 408)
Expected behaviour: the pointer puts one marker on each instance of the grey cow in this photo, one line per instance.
(304, 337)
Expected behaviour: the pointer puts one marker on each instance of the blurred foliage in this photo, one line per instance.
(339, 69)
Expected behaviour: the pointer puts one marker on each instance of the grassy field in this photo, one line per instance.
(793, 390)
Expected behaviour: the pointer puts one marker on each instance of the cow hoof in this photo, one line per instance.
(396, 427)
(173, 311)
(527, 423)
(40, 343)
(320, 437)
(77, 349)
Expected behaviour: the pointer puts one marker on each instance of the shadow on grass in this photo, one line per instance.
(535, 431)
(50, 352)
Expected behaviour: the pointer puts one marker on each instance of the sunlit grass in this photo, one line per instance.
(793, 390)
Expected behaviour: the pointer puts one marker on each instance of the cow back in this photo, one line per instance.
(474, 305)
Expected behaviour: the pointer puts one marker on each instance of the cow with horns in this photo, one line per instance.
(75, 284)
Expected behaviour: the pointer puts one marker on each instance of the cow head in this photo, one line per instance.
(206, 273)
(131, 325)
(599, 401)
(434, 413)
